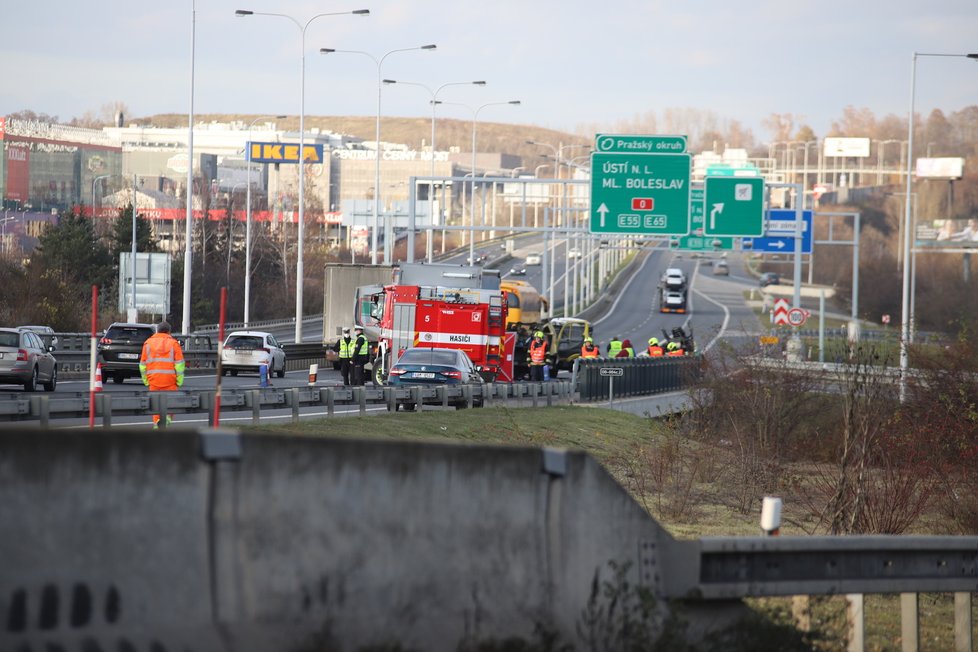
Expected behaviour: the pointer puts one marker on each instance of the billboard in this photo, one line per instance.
(947, 234)
(940, 168)
(152, 282)
(846, 147)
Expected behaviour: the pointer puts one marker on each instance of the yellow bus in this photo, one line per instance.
(524, 302)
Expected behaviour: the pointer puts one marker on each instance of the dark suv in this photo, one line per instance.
(119, 350)
(769, 278)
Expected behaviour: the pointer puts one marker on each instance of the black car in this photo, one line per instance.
(433, 366)
(119, 349)
(769, 278)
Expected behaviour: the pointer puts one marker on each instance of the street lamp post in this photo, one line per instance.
(300, 243)
(475, 121)
(188, 217)
(905, 315)
(380, 84)
(247, 283)
(434, 105)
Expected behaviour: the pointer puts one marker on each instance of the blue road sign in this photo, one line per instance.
(780, 238)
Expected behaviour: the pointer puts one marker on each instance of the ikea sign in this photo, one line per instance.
(284, 153)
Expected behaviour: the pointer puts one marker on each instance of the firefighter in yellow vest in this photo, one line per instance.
(589, 350)
(161, 365)
(538, 357)
(614, 347)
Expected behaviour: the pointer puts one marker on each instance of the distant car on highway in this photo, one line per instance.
(119, 349)
(769, 278)
(247, 351)
(517, 271)
(478, 259)
(721, 268)
(574, 253)
(26, 361)
(533, 259)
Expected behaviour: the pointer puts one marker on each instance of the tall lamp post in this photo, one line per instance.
(247, 283)
(905, 308)
(475, 121)
(429, 247)
(300, 244)
(379, 62)
(188, 226)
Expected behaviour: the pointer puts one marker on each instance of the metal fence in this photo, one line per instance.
(638, 376)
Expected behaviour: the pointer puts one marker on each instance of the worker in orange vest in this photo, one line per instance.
(589, 350)
(538, 357)
(161, 365)
(654, 350)
(674, 349)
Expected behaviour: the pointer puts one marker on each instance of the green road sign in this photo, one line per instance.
(630, 143)
(696, 241)
(640, 194)
(734, 206)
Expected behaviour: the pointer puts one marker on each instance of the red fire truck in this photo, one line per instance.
(470, 319)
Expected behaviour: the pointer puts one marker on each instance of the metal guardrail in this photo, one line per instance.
(640, 376)
(44, 407)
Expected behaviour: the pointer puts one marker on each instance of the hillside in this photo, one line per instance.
(414, 132)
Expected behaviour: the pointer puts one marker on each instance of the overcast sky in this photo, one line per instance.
(570, 63)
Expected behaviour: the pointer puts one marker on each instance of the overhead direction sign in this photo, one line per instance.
(696, 240)
(640, 144)
(734, 206)
(780, 234)
(640, 194)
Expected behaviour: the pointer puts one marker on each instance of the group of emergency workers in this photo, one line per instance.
(618, 348)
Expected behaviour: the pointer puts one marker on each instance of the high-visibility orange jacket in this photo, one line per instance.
(655, 350)
(593, 352)
(161, 364)
(538, 352)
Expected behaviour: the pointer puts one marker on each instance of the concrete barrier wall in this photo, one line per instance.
(302, 543)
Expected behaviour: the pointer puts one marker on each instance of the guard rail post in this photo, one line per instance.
(328, 396)
(103, 406)
(255, 397)
(292, 400)
(490, 392)
(361, 395)
(550, 395)
(389, 399)
(417, 398)
(467, 395)
(41, 406)
(443, 396)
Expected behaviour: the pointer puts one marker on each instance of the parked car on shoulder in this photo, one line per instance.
(119, 349)
(26, 361)
(769, 278)
(429, 366)
(247, 351)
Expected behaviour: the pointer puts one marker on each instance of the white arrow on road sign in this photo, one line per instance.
(717, 208)
(779, 244)
(602, 211)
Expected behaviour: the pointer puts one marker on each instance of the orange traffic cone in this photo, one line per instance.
(98, 378)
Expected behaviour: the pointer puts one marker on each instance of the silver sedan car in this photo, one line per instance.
(26, 361)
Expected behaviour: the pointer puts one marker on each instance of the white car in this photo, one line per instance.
(674, 278)
(249, 350)
(533, 259)
(574, 253)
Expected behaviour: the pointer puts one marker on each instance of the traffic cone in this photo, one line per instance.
(98, 378)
